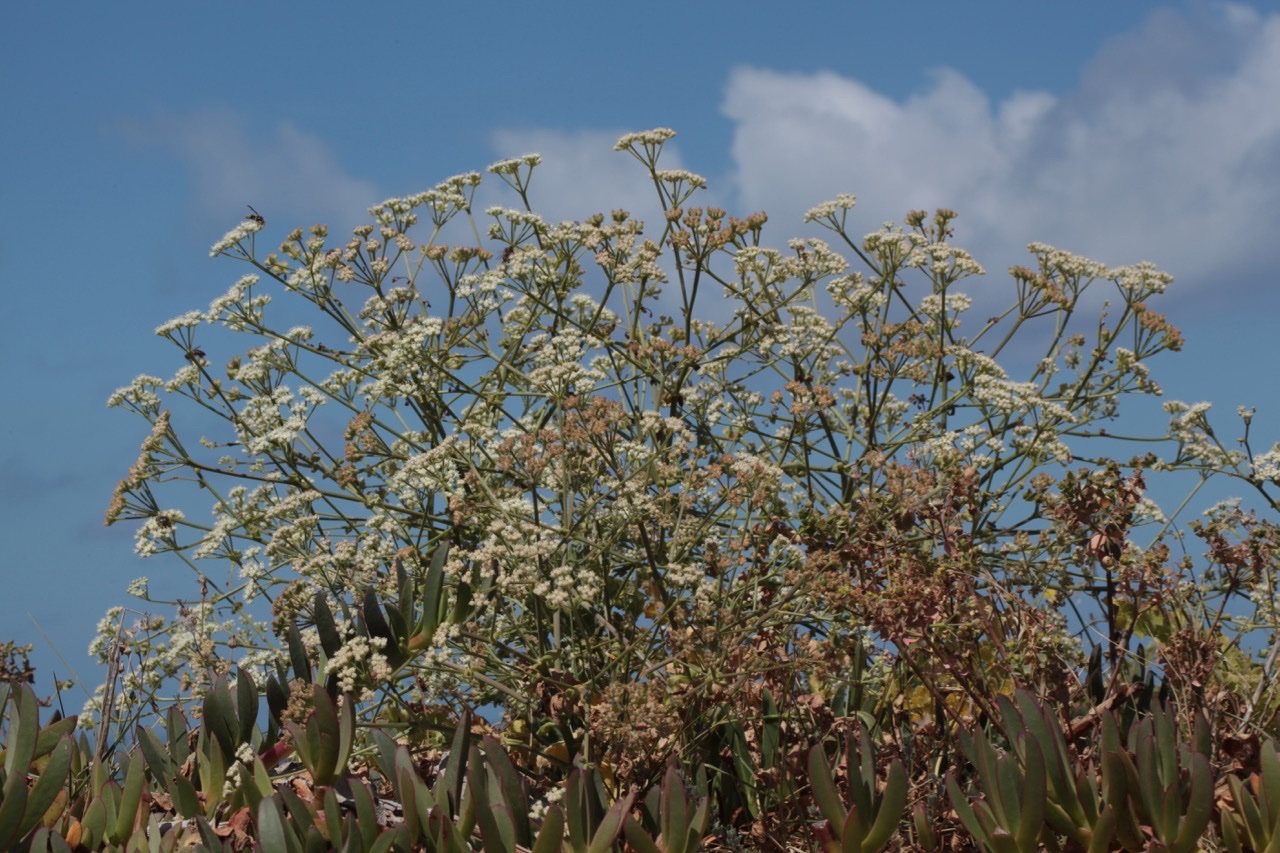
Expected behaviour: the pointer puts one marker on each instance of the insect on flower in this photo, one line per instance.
(255, 216)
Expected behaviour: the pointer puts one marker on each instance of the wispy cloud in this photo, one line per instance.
(581, 174)
(287, 173)
(1169, 150)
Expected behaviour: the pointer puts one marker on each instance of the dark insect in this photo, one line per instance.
(507, 253)
(255, 216)
(195, 354)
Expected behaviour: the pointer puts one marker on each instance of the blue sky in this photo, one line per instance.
(134, 135)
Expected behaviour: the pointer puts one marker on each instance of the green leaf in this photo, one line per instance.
(770, 732)
(332, 815)
(1269, 795)
(745, 769)
(823, 786)
(324, 736)
(12, 809)
(964, 809)
(130, 799)
(1100, 839)
(853, 832)
(578, 811)
(246, 706)
(175, 732)
(94, 823)
(52, 734)
(185, 800)
(298, 655)
(376, 626)
(1053, 746)
(496, 840)
(366, 813)
(220, 718)
(893, 804)
(636, 837)
(415, 819)
(52, 779)
(326, 627)
(433, 594)
(611, 825)
(1199, 806)
(384, 757)
(1008, 804)
(511, 788)
(24, 732)
(863, 788)
(673, 813)
(211, 766)
(1031, 818)
(294, 808)
(273, 833)
(459, 750)
(155, 753)
(926, 833)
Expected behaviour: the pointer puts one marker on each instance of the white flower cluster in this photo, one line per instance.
(1189, 426)
(556, 366)
(768, 266)
(945, 306)
(1075, 267)
(1266, 466)
(512, 166)
(238, 309)
(817, 259)
(657, 136)
(157, 533)
(680, 176)
(262, 424)
(852, 293)
(360, 659)
(422, 475)
(186, 321)
(945, 260)
(1039, 443)
(892, 247)
(483, 291)
(1009, 397)
(827, 210)
(1127, 363)
(1140, 280)
(139, 395)
(400, 359)
(234, 237)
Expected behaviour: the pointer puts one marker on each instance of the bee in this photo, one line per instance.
(194, 354)
(255, 216)
(507, 253)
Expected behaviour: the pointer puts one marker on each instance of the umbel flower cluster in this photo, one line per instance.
(672, 475)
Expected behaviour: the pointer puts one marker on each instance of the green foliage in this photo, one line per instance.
(605, 508)
(1152, 790)
(871, 820)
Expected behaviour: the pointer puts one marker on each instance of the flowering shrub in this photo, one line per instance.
(689, 494)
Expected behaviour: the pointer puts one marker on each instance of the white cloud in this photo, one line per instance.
(291, 176)
(1169, 150)
(581, 174)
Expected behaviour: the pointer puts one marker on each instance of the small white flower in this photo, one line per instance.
(657, 136)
